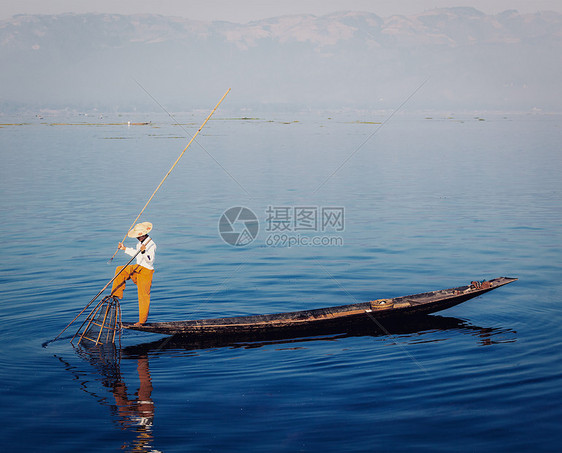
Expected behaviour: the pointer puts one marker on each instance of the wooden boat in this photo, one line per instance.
(404, 326)
(332, 319)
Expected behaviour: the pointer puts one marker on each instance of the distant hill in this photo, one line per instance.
(508, 61)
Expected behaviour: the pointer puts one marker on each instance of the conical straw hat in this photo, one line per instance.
(140, 229)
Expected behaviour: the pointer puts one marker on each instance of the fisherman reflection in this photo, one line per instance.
(137, 411)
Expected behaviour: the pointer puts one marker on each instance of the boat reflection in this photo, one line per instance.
(415, 329)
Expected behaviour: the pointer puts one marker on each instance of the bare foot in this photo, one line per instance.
(138, 324)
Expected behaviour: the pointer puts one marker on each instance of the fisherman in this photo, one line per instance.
(140, 273)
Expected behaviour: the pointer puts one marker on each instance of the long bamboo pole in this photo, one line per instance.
(170, 170)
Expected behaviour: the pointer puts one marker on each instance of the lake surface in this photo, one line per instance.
(429, 201)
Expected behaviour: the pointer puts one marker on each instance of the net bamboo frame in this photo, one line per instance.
(102, 325)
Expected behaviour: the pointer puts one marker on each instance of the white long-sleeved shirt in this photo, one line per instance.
(145, 259)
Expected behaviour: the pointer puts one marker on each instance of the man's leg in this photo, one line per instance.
(144, 282)
(119, 283)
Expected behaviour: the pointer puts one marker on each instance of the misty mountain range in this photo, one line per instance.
(472, 61)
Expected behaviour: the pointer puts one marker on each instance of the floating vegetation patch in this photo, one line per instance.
(166, 136)
(99, 124)
(242, 118)
(445, 118)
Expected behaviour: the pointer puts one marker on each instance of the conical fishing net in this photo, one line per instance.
(103, 324)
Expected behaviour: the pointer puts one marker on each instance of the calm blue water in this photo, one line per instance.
(428, 203)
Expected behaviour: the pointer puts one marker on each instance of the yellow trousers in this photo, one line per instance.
(142, 277)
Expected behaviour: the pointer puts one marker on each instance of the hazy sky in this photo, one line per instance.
(247, 10)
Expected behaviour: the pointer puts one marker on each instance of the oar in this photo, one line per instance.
(96, 296)
(170, 170)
